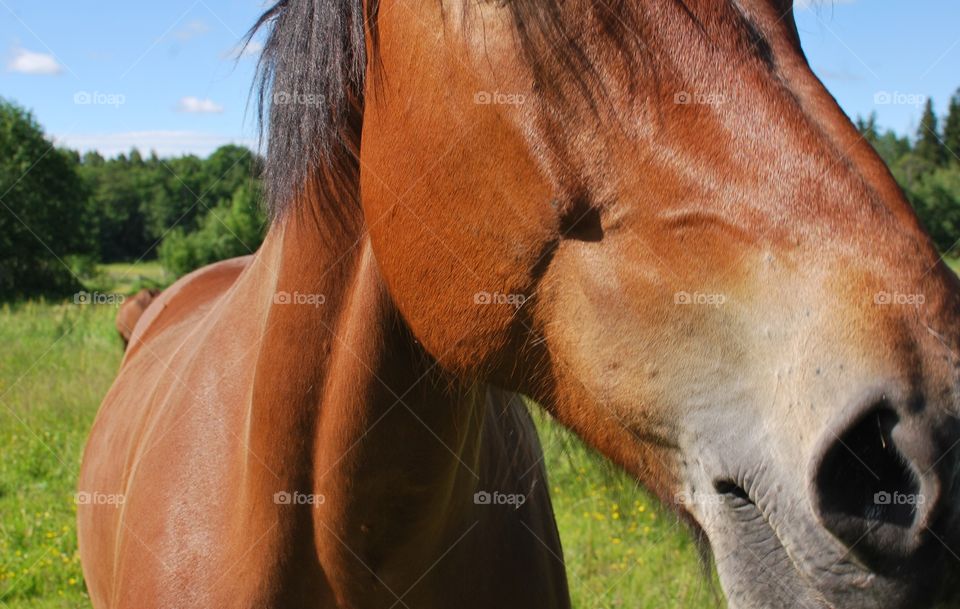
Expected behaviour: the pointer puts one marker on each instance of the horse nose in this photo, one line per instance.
(874, 487)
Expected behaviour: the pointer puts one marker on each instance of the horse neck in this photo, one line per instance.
(346, 405)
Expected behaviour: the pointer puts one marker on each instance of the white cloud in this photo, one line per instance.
(192, 30)
(195, 105)
(164, 143)
(30, 62)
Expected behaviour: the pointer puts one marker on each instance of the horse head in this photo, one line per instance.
(652, 218)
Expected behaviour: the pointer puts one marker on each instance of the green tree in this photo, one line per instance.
(888, 144)
(227, 169)
(138, 198)
(929, 144)
(118, 189)
(44, 217)
(233, 228)
(936, 197)
(188, 187)
(178, 195)
(892, 147)
(951, 129)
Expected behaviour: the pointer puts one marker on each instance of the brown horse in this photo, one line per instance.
(649, 216)
(131, 311)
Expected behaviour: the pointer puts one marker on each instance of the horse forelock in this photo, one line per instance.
(311, 77)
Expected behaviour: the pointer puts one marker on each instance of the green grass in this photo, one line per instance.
(129, 278)
(621, 549)
(56, 364)
(953, 263)
(58, 361)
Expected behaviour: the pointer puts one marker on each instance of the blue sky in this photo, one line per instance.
(110, 74)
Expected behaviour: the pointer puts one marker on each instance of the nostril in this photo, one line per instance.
(866, 490)
(863, 469)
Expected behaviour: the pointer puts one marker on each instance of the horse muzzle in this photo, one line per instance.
(865, 519)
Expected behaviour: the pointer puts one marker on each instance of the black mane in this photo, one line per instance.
(310, 72)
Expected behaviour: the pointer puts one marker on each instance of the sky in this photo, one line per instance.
(166, 76)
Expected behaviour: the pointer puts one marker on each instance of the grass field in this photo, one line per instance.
(58, 361)
(127, 278)
(56, 364)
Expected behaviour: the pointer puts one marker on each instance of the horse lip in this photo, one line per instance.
(739, 495)
(736, 497)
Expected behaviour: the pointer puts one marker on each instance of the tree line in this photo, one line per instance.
(61, 212)
(927, 167)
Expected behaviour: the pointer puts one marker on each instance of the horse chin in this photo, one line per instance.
(760, 569)
(755, 569)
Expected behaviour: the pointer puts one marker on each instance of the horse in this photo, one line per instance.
(130, 312)
(647, 216)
